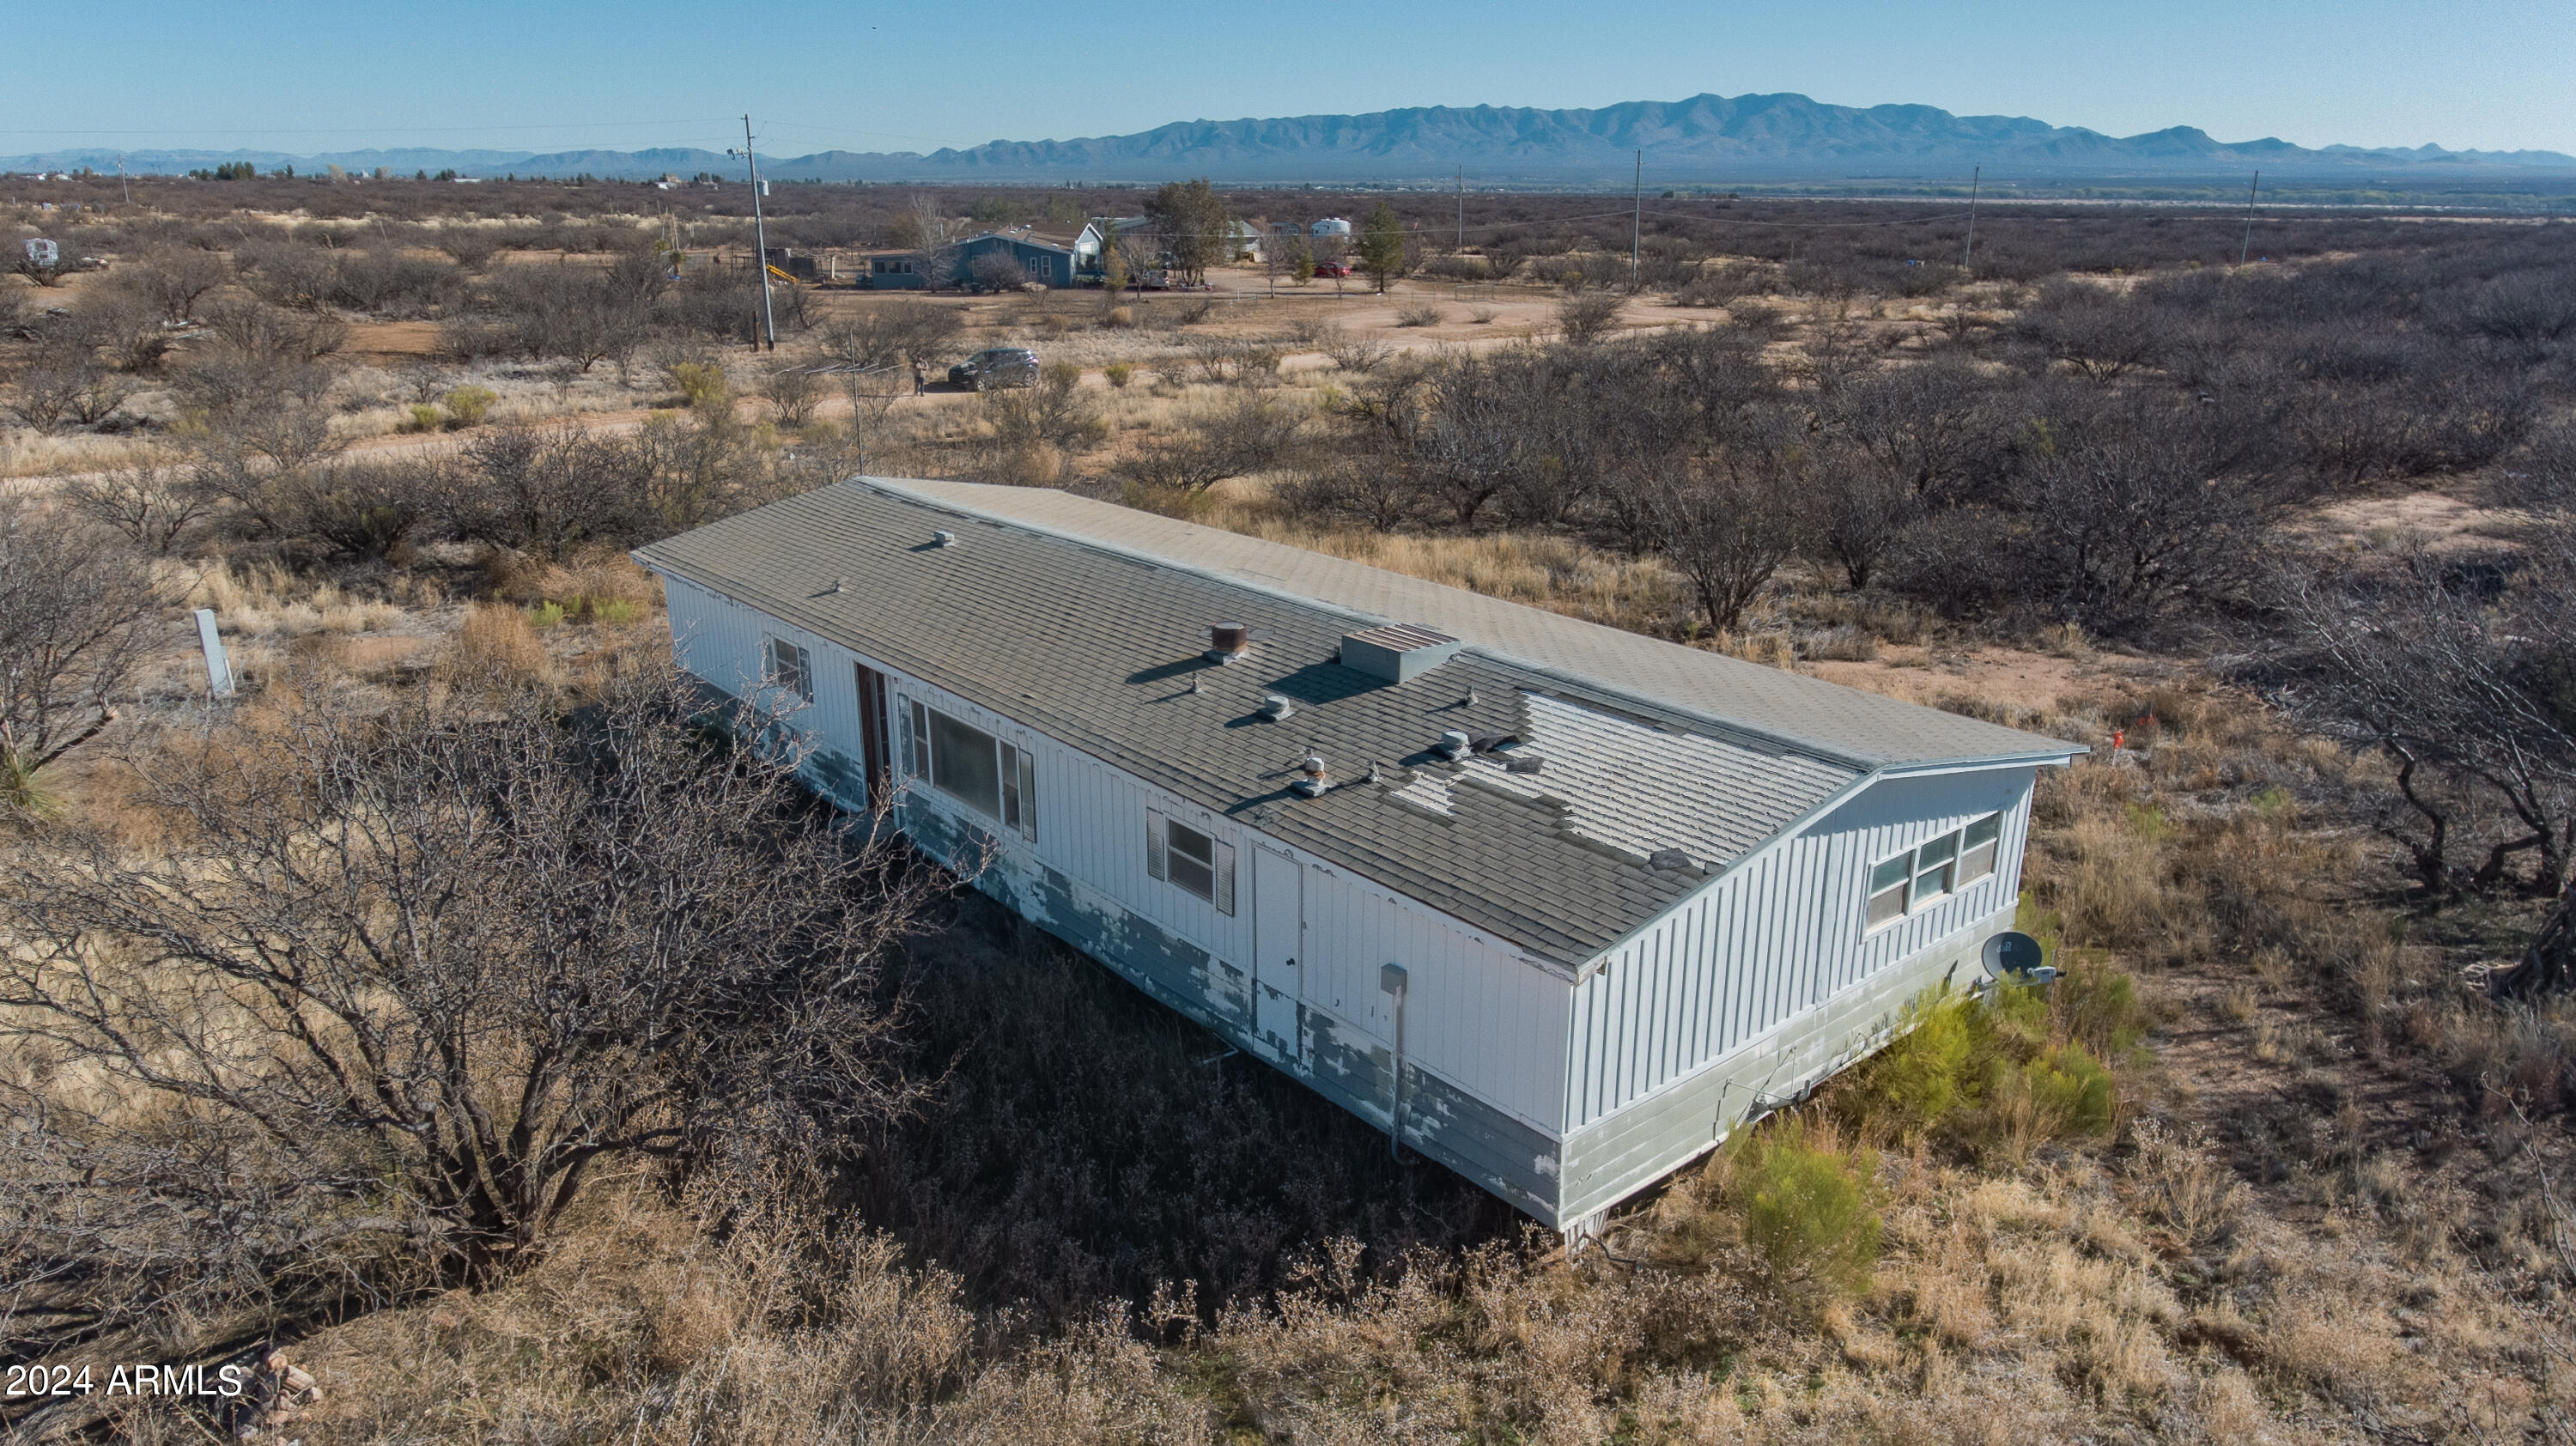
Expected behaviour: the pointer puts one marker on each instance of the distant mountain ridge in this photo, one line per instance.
(1706, 138)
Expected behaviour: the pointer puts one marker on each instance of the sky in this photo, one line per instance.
(303, 77)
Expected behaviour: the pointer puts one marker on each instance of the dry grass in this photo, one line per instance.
(1540, 570)
(263, 599)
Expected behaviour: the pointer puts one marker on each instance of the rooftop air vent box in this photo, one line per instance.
(1398, 652)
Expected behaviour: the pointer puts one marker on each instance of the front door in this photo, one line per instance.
(1278, 926)
(872, 733)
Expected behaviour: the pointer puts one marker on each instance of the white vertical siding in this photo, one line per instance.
(1475, 1014)
(1478, 1014)
(1779, 936)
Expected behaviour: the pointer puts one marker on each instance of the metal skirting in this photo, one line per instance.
(1486, 1145)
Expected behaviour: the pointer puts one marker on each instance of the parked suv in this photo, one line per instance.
(1000, 366)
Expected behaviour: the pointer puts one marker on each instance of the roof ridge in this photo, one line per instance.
(915, 490)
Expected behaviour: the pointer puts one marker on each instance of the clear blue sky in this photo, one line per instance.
(301, 76)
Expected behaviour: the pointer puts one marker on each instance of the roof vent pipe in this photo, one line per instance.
(1316, 781)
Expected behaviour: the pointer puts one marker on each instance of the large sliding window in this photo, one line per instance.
(975, 768)
(962, 764)
(1928, 873)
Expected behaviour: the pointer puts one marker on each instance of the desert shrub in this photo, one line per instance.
(1587, 316)
(2002, 1071)
(1357, 354)
(1424, 315)
(1810, 1205)
(703, 384)
(1118, 374)
(467, 406)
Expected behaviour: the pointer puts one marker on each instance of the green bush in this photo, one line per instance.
(425, 417)
(1925, 1074)
(2070, 1093)
(703, 384)
(546, 614)
(1119, 373)
(2002, 1072)
(1811, 1207)
(467, 406)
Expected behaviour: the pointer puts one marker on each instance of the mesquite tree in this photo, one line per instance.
(435, 963)
(73, 608)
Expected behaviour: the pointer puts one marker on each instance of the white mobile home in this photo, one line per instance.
(1557, 905)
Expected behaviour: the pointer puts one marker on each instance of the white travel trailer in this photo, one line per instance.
(1554, 904)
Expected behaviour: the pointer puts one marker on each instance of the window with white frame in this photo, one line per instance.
(1190, 860)
(1932, 871)
(785, 665)
(970, 765)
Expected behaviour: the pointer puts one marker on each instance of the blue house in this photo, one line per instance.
(893, 271)
(1048, 263)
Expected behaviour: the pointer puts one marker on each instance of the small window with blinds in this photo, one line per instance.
(1190, 860)
(785, 665)
(1019, 772)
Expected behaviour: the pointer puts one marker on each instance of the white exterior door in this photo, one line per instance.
(1278, 926)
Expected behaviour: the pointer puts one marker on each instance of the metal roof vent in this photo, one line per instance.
(1316, 781)
(1276, 707)
(1229, 641)
(1455, 743)
(1398, 652)
(943, 539)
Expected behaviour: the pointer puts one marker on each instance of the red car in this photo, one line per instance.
(1332, 268)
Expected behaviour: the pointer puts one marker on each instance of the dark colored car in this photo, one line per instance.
(1000, 366)
(1332, 268)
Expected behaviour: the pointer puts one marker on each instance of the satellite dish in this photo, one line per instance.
(2013, 954)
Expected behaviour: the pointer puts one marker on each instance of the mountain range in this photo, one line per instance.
(1707, 138)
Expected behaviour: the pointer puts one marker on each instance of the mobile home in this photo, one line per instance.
(1554, 904)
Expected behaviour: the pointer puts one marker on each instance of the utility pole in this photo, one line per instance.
(2248, 243)
(1462, 208)
(1970, 249)
(1636, 220)
(123, 184)
(759, 239)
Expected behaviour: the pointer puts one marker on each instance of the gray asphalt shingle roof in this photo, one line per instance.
(1087, 622)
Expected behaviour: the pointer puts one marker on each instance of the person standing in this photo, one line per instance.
(920, 378)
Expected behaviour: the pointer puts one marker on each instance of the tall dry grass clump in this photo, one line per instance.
(496, 646)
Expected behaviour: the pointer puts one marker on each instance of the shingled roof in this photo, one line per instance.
(1621, 771)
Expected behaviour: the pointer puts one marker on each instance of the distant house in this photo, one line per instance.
(1089, 247)
(1330, 226)
(891, 271)
(1048, 262)
(1244, 240)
